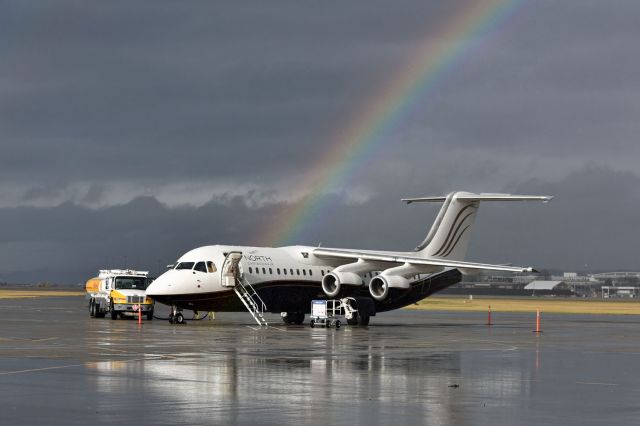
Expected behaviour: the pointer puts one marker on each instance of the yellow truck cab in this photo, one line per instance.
(120, 293)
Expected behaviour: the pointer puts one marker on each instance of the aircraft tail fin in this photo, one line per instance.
(450, 233)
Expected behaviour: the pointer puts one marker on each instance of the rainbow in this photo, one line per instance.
(352, 148)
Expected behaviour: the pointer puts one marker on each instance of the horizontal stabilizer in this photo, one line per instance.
(467, 196)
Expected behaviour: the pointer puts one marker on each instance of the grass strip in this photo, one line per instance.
(531, 304)
(26, 294)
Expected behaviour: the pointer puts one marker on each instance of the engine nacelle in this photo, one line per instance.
(379, 286)
(333, 282)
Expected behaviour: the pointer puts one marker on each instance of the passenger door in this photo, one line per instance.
(230, 269)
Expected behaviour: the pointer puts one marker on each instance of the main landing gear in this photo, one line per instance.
(354, 315)
(357, 319)
(296, 318)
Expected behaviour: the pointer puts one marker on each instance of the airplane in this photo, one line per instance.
(286, 280)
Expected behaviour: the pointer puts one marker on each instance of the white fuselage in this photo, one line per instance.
(259, 265)
(287, 278)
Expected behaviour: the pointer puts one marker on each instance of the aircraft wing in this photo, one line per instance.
(401, 258)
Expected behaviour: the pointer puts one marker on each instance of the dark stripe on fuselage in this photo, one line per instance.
(293, 296)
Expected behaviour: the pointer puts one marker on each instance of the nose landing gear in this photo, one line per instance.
(176, 316)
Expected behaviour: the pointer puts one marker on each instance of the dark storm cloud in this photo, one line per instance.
(102, 103)
(155, 82)
(588, 226)
(68, 243)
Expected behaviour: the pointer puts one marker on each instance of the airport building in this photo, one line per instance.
(606, 285)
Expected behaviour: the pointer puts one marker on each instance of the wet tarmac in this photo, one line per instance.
(58, 366)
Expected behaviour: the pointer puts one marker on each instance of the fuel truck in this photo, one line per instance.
(119, 293)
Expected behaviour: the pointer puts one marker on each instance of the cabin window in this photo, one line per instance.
(322, 272)
(250, 270)
(297, 271)
(211, 267)
(278, 271)
(310, 272)
(270, 271)
(285, 271)
(291, 271)
(304, 272)
(264, 271)
(184, 265)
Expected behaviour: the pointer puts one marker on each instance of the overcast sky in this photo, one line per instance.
(133, 131)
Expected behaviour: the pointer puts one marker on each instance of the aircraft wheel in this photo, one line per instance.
(363, 320)
(338, 324)
(298, 318)
(287, 319)
(178, 318)
(170, 318)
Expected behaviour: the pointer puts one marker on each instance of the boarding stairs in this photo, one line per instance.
(252, 301)
(232, 277)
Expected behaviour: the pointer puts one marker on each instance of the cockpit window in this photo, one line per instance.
(184, 265)
(200, 267)
(211, 267)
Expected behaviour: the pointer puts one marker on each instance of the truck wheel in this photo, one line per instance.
(92, 309)
(114, 314)
(312, 323)
(338, 324)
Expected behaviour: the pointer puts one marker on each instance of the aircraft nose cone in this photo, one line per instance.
(161, 286)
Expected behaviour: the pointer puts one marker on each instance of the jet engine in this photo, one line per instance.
(380, 286)
(333, 282)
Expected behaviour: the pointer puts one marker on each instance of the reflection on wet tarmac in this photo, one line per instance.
(409, 368)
